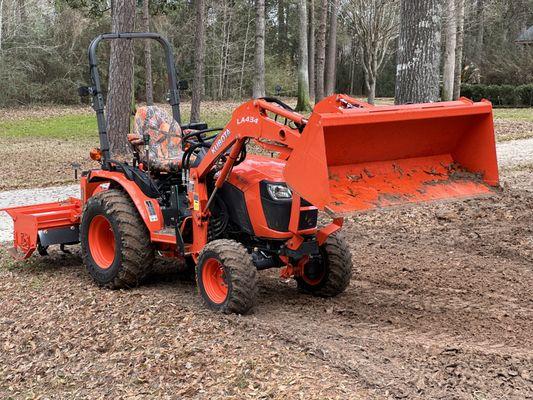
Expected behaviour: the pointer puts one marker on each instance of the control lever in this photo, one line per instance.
(76, 167)
(146, 141)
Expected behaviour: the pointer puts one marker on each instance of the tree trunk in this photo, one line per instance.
(259, 82)
(450, 42)
(282, 28)
(1, 22)
(332, 48)
(199, 57)
(460, 13)
(352, 74)
(224, 49)
(370, 72)
(24, 15)
(244, 52)
(120, 77)
(321, 50)
(480, 16)
(222, 52)
(304, 104)
(370, 86)
(225, 76)
(148, 54)
(311, 45)
(418, 58)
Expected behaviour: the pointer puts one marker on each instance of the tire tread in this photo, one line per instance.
(339, 269)
(137, 252)
(243, 274)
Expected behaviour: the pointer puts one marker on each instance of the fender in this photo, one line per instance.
(148, 208)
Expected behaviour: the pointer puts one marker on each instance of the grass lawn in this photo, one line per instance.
(80, 123)
(61, 127)
(514, 114)
(39, 144)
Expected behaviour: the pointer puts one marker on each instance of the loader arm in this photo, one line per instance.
(256, 119)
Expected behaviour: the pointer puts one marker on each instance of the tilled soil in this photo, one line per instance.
(440, 307)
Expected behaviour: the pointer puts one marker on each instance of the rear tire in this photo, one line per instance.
(336, 270)
(115, 242)
(227, 277)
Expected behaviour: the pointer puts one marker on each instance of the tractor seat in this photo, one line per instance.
(164, 148)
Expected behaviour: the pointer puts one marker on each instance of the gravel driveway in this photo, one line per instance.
(12, 198)
(516, 152)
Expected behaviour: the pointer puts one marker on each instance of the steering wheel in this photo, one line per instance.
(200, 135)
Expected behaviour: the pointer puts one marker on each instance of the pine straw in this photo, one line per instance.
(33, 162)
(439, 307)
(513, 129)
(41, 111)
(62, 337)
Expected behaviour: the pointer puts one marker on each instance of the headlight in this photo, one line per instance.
(278, 191)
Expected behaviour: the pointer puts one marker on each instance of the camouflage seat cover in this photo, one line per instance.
(165, 151)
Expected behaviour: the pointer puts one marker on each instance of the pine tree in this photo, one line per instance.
(120, 78)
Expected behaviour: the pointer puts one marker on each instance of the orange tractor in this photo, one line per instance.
(201, 198)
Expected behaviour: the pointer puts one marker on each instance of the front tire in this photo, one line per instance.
(227, 277)
(332, 275)
(115, 242)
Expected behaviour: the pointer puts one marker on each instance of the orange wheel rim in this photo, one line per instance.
(102, 242)
(214, 281)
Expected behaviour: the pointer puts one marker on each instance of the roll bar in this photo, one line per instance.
(96, 89)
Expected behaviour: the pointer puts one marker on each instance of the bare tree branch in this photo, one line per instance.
(375, 25)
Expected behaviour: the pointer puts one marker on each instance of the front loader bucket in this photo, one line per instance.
(372, 157)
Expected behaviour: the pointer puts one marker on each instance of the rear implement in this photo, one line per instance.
(42, 225)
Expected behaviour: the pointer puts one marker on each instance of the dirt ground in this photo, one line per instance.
(512, 129)
(440, 307)
(32, 162)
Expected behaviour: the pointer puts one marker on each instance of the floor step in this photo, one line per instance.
(167, 230)
(165, 235)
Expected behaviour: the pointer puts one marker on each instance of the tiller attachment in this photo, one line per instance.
(44, 224)
(372, 157)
